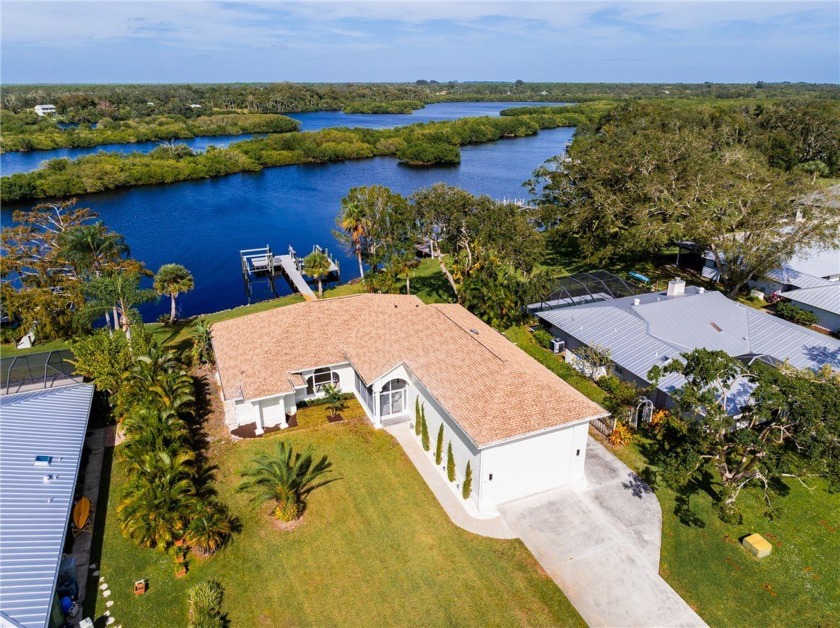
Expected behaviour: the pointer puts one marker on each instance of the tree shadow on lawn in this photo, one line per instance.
(682, 502)
(434, 286)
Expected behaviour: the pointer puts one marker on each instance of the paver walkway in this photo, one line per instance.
(601, 543)
(458, 510)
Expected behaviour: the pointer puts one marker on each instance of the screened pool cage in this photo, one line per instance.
(598, 285)
(36, 370)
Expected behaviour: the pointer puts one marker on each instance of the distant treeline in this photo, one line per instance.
(418, 144)
(90, 103)
(28, 131)
(392, 106)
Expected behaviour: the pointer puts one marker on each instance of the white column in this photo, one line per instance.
(377, 421)
(259, 419)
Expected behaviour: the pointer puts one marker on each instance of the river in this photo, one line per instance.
(204, 224)
(11, 163)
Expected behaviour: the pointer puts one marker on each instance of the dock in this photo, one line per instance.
(262, 265)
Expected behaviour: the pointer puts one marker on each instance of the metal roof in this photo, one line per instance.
(817, 262)
(789, 276)
(34, 510)
(640, 330)
(821, 297)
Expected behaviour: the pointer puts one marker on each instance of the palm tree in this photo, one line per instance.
(157, 377)
(118, 291)
(403, 264)
(202, 346)
(354, 223)
(171, 280)
(286, 478)
(210, 528)
(159, 498)
(317, 265)
(332, 395)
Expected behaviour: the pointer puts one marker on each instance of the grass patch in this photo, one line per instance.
(525, 341)
(704, 562)
(374, 548)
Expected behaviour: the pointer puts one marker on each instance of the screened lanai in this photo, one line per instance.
(36, 370)
(597, 285)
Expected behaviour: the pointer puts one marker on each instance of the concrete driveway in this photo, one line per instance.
(601, 544)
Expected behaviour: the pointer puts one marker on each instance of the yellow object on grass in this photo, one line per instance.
(757, 545)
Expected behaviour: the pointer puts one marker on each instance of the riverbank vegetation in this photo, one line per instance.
(28, 131)
(418, 144)
(89, 103)
(392, 106)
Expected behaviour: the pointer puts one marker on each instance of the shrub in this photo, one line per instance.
(543, 338)
(205, 600)
(418, 419)
(450, 463)
(466, 490)
(794, 314)
(424, 430)
(439, 446)
(621, 435)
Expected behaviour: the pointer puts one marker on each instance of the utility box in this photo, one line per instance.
(757, 545)
(557, 345)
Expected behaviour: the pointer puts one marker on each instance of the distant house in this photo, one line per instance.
(42, 435)
(652, 329)
(521, 428)
(195, 106)
(43, 110)
(822, 300)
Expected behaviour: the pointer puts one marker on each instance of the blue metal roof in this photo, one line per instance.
(34, 511)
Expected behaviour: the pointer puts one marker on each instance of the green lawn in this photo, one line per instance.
(525, 341)
(374, 548)
(797, 585)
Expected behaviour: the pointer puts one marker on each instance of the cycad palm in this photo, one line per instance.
(287, 478)
(209, 529)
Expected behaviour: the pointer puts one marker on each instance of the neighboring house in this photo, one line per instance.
(195, 106)
(822, 300)
(42, 434)
(811, 267)
(521, 428)
(43, 110)
(652, 329)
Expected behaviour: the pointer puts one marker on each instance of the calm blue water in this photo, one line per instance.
(204, 224)
(11, 163)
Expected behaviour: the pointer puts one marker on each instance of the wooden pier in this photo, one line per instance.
(263, 265)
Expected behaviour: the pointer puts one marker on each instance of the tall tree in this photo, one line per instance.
(120, 292)
(354, 225)
(653, 173)
(787, 428)
(317, 265)
(41, 288)
(172, 280)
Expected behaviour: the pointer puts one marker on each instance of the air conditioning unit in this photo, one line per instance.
(557, 345)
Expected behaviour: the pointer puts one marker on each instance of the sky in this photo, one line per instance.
(193, 41)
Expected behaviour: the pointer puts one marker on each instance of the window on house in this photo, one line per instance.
(321, 377)
(392, 399)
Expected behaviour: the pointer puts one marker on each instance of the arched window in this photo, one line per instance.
(392, 399)
(321, 377)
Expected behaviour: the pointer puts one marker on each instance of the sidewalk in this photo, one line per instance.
(458, 510)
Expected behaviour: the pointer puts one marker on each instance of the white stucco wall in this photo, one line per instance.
(268, 412)
(463, 449)
(531, 465)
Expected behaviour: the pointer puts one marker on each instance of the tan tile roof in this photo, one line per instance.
(493, 389)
